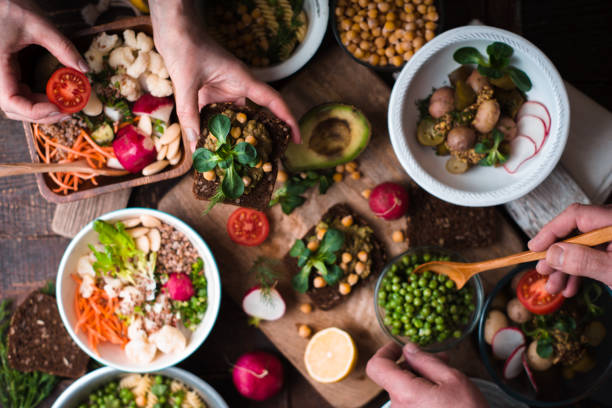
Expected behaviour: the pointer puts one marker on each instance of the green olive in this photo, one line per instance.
(427, 135)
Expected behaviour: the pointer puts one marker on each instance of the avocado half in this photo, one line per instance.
(332, 134)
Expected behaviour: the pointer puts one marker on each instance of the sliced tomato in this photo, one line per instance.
(532, 293)
(68, 89)
(248, 227)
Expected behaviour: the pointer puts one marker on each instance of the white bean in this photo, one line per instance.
(161, 152)
(156, 142)
(137, 232)
(155, 239)
(176, 158)
(173, 148)
(150, 221)
(131, 222)
(145, 124)
(154, 167)
(171, 133)
(143, 244)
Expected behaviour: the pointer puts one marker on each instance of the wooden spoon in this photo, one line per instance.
(461, 272)
(79, 166)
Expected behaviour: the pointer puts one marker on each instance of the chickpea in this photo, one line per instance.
(313, 245)
(247, 19)
(362, 256)
(259, 164)
(373, 13)
(421, 8)
(389, 26)
(319, 282)
(355, 27)
(321, 233)
(408, 54)
(432, 16)
(251, 140)
(351, 35)
(357, 175)
(210, 175)
(352, 48)
(384, 7)
(359, 53)
(418, 42)
(389, 52)
(409, 8)
(428, 2)
(383, 61)
(417, 2)
(282, 176)
(352, 279)
(374, 59)
(359, 268)
(347, 221)
(430, 25)
(376, 31)
(351, 166)
(364, 27)
(345, 41)
(431, 9)
(304, 331)
(390, 16)
(364, 45)
(306, 308)
(380, 52)
(344, 288)
(379, 42)
(345, 24)
(429, 35)
(410, 18)
(241, 117)
(339, 11)
(337, 177)
(346, 257)
(409, 36)
(247, 181)
(366, 193)
(397, 236)
(236, 132)
(350, 12)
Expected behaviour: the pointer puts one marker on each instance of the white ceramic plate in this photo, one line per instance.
(79, 390)
(111, 354)
(480, 186)
(317, 12)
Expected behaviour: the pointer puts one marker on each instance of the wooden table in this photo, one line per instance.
(575, 35)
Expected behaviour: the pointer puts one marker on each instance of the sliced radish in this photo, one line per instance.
(263, 306)
(522, 148)
(533, 127)
(536, 109)
(506, 341)
(529, 373)
(514, 363)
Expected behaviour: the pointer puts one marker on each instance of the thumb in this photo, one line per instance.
(44, 34)
(429, 366)
(188, 113)
(580, 260)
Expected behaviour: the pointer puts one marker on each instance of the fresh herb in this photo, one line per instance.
(48, 289)
(544, 347)
(17, 389)
(492, 149)
(289, 196)
(590, 294)
(496, 66)
(231, 159)
(191, 311)
(266, 274)
(123, 108)
(323, 260)
(159, 126)
(543, 329)
(423, 106)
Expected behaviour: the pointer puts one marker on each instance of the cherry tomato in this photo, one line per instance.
(532, 293)
(68, 89)
(248, 227)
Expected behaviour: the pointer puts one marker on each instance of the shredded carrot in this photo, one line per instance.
(96, 318)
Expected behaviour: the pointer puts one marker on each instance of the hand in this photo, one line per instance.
(563, 259)
(22, 26)
(426, 381)
(202, 72)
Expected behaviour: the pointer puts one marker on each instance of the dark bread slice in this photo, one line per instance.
(327, 297)
(38, 341)
(438, 223)
(259, 196)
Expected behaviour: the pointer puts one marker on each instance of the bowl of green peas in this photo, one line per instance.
(108, 387)
(426, 308)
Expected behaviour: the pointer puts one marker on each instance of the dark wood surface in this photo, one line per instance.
(576, 35)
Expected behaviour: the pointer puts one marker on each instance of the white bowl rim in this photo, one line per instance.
(317, 27)
(530, 180)
(62, 266)
(172, 372)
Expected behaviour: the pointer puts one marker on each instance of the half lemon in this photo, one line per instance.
(330, 355)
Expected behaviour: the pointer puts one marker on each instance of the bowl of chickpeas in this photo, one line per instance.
(385, 34)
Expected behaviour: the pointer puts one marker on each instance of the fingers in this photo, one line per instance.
(384, 371)
(429, 366)
(543, 268)
(265, 95)
(572, 286)
(584, 217)
(188, 112)
(556, 282)
(45, 34)
(579, 260)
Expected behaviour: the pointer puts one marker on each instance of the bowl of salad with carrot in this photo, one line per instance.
(138, 290)
(121, 116)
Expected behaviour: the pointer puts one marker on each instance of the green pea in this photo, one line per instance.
(405, 319)
(414, 259)
(427, 292)
(395, 279)
(456, 334)
(387, 320)
(449, 284)
(409, 310)
(417, 323)
(402, 291)
(433, 284)
(417, 301)
(430, 318)
(409, 297)
(382, 294)
(395, 331)
(397, 324)
(453, 310)
(441, 278)
(427, 257)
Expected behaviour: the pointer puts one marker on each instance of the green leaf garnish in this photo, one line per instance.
(289, 196)
(205, 160)
(520, 79)
(232, 185)
(494, 156)
(219, 126)
(468, 55)
(245, 154)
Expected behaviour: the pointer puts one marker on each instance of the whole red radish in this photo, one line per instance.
(389, 201)
(179, 287)
(258, 375)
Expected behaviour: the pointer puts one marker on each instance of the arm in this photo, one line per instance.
(566, 262)
(202, 72)
(22, 25)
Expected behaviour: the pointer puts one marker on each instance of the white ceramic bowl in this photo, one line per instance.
(79, 390)
(480, 186)
(110, 354)
(317, 12)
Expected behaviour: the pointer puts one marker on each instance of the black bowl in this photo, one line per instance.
(387, 68)
(554, 390)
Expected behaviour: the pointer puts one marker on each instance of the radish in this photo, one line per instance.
(158, 108)
(389, 201)
(179, 287)
(514, 363)
(529, 373)
(506, 341)
(533, 127)
(536, 109)
(113, 163)
(134, 149)
(258, 375)
(522, 148)
(263, 305)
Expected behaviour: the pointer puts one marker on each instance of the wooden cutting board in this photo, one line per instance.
(331, 76)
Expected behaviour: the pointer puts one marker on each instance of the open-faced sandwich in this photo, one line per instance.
(236, 158)
(334, 257)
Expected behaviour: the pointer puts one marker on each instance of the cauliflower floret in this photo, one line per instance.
(130, 298)
(140, 351)
(121, 56)
(129, 37)
(144, 42)
(87, 286)
(112, 286)
(84, 267)
(95, 60)
(157, 86)
(139, 66)
(156, 65)
(135, 330)
(104, 43)
(128, 86)
(169, 339)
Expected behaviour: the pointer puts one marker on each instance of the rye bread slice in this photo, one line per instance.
(438, 223)
(259, 196)
(327, 297)
(38, 341)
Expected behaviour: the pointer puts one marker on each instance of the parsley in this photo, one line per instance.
(265, 274)
(289, 196)
(191, 311)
